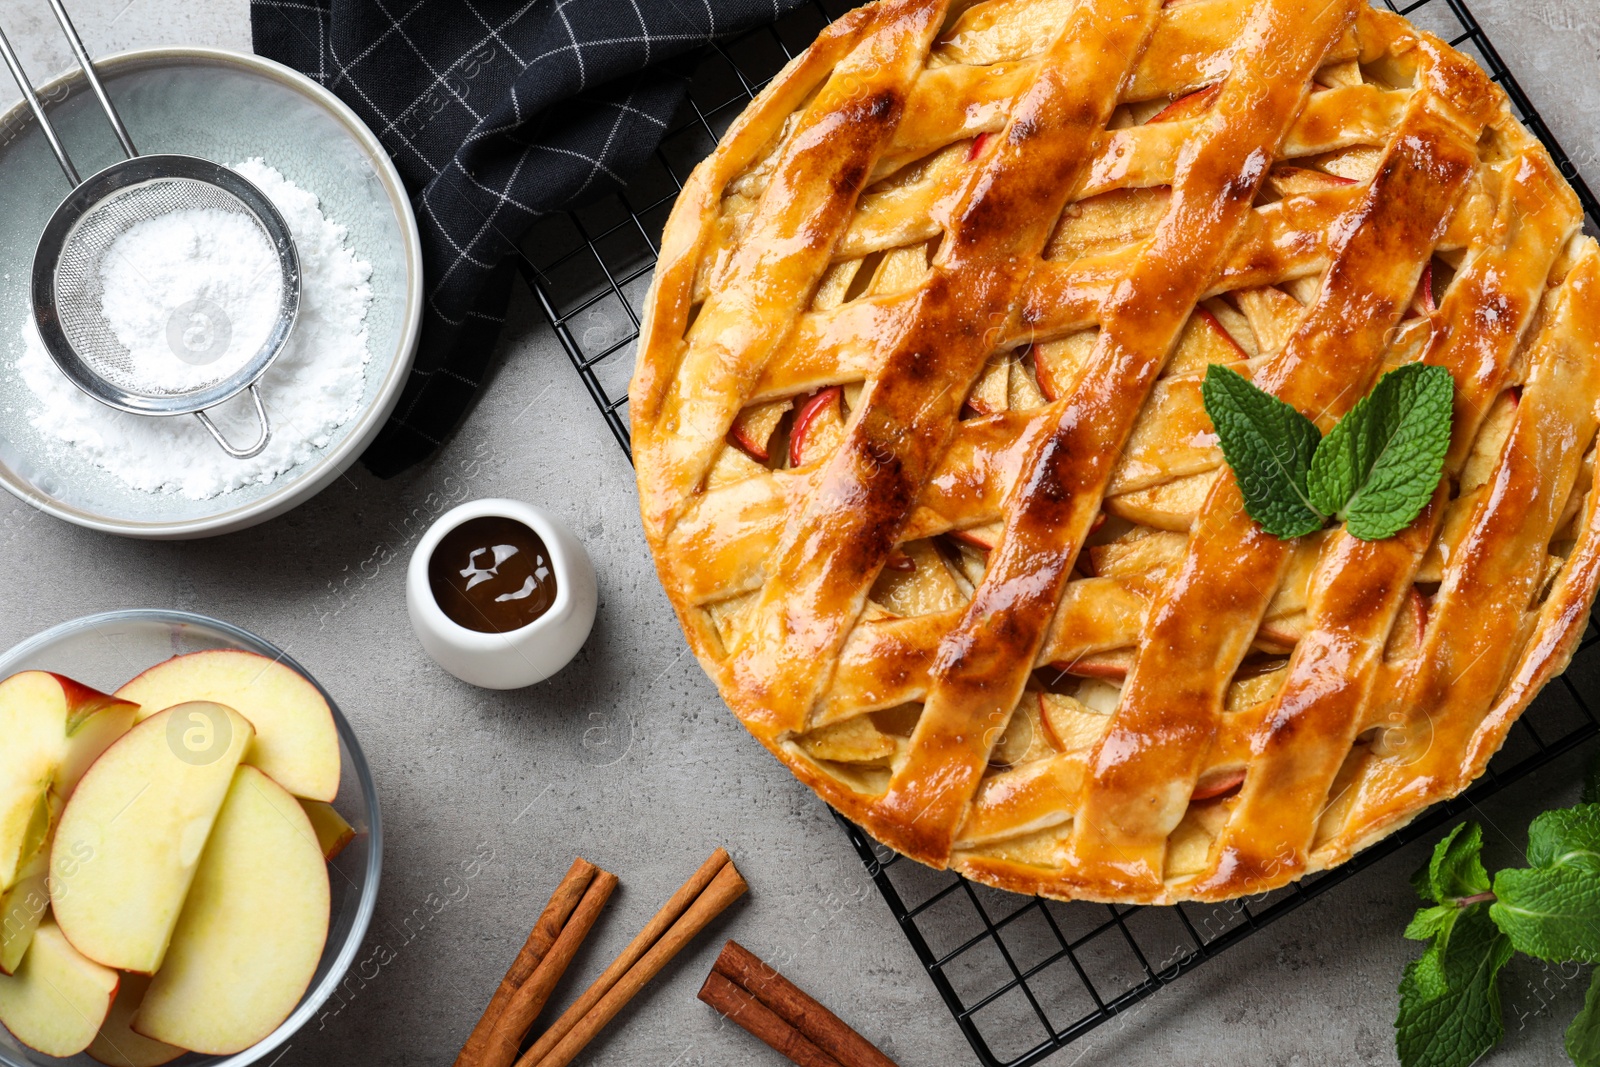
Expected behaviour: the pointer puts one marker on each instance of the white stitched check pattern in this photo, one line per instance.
(496, 114)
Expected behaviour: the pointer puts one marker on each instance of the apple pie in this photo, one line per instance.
(926, 472)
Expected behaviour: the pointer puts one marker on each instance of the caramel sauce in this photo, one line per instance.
(492, 574)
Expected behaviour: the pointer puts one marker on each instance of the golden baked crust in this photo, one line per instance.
(998, 600)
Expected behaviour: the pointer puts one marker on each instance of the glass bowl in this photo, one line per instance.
(105, 651)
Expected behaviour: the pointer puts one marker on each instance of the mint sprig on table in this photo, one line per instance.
(1374, 471)
(1450, 1011)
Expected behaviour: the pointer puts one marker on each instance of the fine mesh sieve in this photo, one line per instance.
(66, 279)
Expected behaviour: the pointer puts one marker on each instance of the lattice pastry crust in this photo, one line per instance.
(926, 474)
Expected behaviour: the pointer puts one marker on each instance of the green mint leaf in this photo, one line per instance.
(1551, 912)
(1269, 445)
(1422, 883)
(1453, 873)
(1430, 922)
(1471, 946)
(1591, 783)
(1564, 836)
(1456, 869)
(1380, 465)
(1450, 997)
(1551, 909)
(1583, 1036)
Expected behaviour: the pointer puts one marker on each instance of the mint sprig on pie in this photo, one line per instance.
(1374, 471)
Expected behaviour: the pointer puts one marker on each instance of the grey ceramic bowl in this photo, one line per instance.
(226, 107)
(106, 650)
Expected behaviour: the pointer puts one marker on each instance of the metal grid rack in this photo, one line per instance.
(1023, 977)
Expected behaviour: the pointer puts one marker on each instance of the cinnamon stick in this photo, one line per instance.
(529, 999)
(702, 898)
(540, 938)
(762, 1022)
(788, 1005)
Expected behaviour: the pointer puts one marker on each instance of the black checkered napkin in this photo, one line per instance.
(496, 113)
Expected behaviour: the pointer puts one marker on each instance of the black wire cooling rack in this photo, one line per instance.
(1024, 977)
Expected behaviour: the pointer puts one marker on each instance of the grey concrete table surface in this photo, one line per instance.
(628, 756)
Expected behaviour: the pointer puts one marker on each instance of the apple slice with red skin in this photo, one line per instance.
(989, 396)
(333, 832)
(117, 1045)
(39, 711)
(818, 426)
(296, 742)
(977, 146)
(988, 535)
(928, 586)
(1405, 640)
(1204, 341)
(984, 537)
(88, 741)
(1218, 783)
(753, 429)
(1189, 106)
(1419, 613)
(899, 561)
(1219, 333)
(1285, 632)
(118, 890)
(252, 930)
(1423, 303)
(58, 998)
(1058, 364)
(1300, 181)
(22, 908)
(1042, 375)
(1051, 733)
(1069, 724)
(1111, 666)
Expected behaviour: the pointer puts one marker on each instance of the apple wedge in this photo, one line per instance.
(37, 712)
(1069, 724)
(1302, 181)
(1190, 106)
(819, 426)
(252, 930)
(333, 832)
(992, 389)
(57, 1000)
(1218, 783)
(116, 1044)
(131, 836)
(22, 909)
(984, 537)
(88, 742)
(752, 431)
(296, 743)
(929, 585)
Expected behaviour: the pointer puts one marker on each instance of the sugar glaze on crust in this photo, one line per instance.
(925, 472)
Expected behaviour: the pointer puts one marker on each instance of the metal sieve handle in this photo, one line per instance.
(87, 65)
(37, 106)
(241, 453)
(9, 55)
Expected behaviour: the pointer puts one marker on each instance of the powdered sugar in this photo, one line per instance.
(192, 295)
(314, 387)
